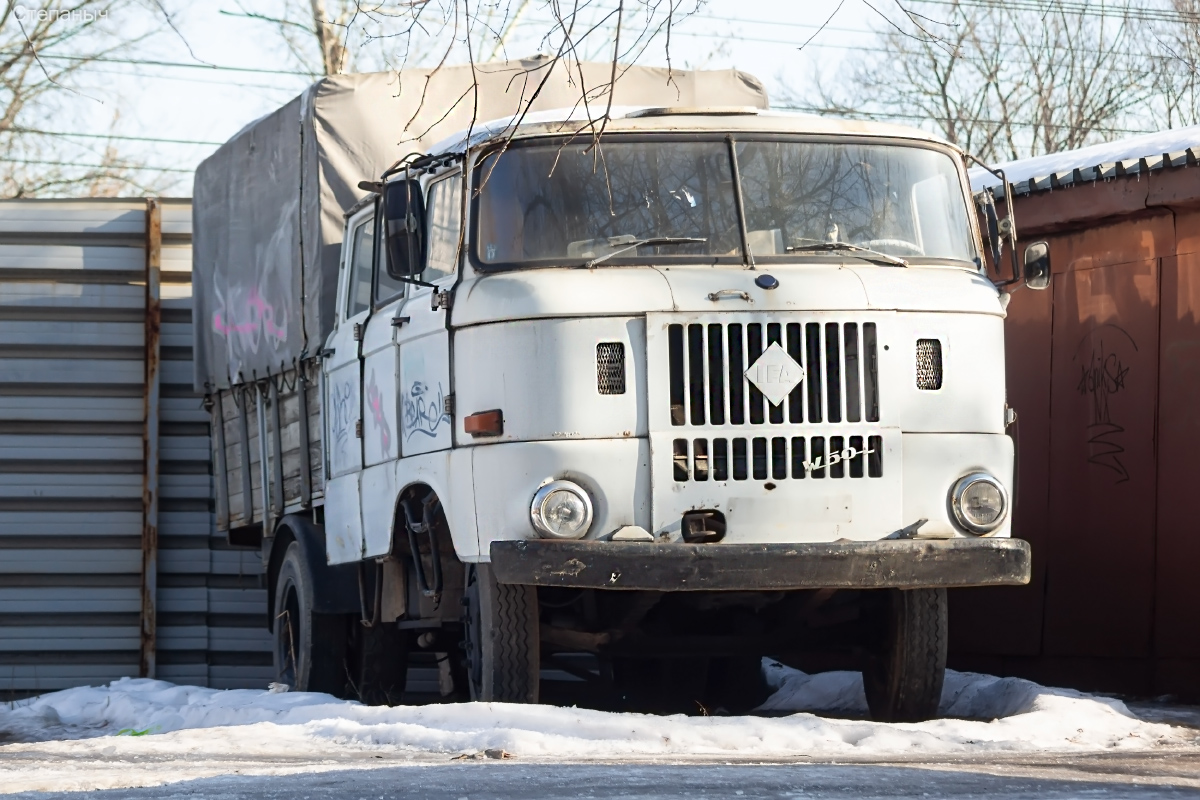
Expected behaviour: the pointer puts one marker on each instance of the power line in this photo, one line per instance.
(177, 64)
(1083, 9)
(142, 168)
(73, 134)
(881, 116)
(192, 79)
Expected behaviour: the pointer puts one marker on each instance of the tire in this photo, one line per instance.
(903, 678)
(309, 649)
(502, 643)
(737, 684)
(380, 664)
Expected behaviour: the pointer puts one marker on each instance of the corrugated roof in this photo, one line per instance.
(1135, 155)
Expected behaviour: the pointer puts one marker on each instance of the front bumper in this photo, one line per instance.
(895, 564)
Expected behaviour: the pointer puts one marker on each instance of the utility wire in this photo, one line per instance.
(884, 116)
(74, 134)
(176, 64)
(135, 167)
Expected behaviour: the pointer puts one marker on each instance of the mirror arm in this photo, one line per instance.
(1011, 219)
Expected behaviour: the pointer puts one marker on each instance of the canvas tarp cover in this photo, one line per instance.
(269, 204)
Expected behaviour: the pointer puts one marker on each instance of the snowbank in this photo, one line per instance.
(1005, 715)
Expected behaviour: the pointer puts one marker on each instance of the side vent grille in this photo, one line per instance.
(929, 364)
(610, 368)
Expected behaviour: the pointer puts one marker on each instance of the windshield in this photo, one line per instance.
(554, 204)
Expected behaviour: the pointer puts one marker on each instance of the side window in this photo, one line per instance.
(386, 287)
(362, 239)
(444, 211)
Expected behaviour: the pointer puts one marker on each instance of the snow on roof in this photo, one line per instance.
(1145, 153)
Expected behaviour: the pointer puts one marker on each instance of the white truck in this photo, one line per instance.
(641, 406)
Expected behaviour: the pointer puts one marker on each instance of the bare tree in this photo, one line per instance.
(46, 52)
(1176, 77)
(1002, 80)
(435, 33)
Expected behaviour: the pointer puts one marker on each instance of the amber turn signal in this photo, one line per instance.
(485, 423)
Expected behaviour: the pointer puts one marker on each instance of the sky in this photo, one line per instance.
(204, 106)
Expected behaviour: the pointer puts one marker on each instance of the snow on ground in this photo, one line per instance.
(162, 732)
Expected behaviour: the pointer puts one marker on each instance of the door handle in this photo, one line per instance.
(326, 352)
(399, 321)
(714, 296)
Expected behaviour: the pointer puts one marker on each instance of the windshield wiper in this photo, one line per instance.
(868, 253)
(655, 241)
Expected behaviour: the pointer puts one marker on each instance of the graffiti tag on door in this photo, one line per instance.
(341, 416)
(424, 411)
(378, 414)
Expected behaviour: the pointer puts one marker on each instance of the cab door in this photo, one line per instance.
(426, 425)
(381, 431)
(343, 396)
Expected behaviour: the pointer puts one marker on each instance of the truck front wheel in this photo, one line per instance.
(502, 643)
(903, 677)
(310, 649)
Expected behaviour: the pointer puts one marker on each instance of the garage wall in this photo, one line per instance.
(73, 429)
(1103, 369)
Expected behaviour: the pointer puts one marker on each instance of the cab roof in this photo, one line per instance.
(630, 119)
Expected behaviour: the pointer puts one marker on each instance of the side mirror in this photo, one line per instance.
(404, 217)
(1037, 265)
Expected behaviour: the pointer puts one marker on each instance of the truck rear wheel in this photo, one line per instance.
(903, 678)
(309, 648)
(502, 641)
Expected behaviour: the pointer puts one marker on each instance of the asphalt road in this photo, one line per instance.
(1038, 778)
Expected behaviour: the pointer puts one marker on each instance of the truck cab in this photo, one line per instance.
(703, 387)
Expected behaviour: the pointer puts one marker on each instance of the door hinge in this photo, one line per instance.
(358, 429)
(442, 299)
(448, 405)
(358, 331)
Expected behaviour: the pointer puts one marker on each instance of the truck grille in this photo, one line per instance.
(777, 458)
(708, 386)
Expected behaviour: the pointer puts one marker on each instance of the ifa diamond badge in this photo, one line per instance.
(775, 374)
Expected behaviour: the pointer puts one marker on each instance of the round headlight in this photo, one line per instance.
(561, 510)
(979, 502)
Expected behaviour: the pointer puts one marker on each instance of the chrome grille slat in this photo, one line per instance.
(708, 361)
(857, 455)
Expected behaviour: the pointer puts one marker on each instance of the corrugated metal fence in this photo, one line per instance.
(78, 497)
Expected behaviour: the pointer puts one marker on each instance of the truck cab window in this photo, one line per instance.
(444, 209)
(358, 298)
(387, 288)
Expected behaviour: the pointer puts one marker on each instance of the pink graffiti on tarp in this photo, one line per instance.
(260, 318)
(375, 404)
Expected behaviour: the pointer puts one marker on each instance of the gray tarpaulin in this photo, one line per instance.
(269, 203)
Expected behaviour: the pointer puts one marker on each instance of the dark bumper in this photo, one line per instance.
(747, 567)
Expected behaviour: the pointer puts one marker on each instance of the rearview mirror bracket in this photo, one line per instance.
(999, 229)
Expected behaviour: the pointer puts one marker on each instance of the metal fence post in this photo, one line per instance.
(150, 440)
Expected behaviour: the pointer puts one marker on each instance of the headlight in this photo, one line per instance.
(979, 502)
(561, 510)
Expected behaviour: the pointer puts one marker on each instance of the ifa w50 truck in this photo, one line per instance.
(505, 391)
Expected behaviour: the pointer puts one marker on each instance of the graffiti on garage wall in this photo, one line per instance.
(1104, 374)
